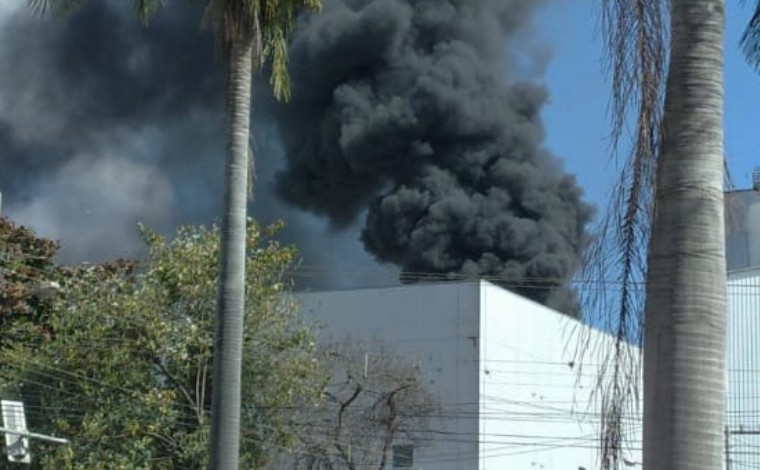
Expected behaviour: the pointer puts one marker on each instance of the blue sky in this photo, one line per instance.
(576, 118)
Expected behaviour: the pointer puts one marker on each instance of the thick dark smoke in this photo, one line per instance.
(104, 123)
(402, 107)
(401, 114)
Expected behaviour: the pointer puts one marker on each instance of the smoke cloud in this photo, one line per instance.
(104, 123)
(135, 193)
(402, 112)
(413, 123)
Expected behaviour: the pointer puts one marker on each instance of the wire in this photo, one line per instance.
(504, 416)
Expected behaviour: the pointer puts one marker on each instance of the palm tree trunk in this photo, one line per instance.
(228, 344)
(685, 323)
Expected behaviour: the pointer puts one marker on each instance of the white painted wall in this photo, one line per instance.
(498, 363)
(743, 364)
(536, 411)
(434, 324)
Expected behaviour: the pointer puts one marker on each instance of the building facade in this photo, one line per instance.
(503, 370)
(743, 354)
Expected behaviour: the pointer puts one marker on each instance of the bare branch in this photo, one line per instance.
(376, 399)
(197, 407)
(201, 383)
(391, 425)
(339, 428)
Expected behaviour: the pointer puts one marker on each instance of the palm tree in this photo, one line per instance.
(685, 310)
(249, 33)
(669, 206)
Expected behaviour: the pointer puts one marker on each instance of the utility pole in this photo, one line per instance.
(17, 435)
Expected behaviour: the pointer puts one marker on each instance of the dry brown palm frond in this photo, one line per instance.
(635, 40)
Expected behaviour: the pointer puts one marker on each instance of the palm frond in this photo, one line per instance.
(276, 52)
(54, 7)
(268, 24)
(145, 9)
(635, 39)
(750, 40)
(233, 21)
(39, 6)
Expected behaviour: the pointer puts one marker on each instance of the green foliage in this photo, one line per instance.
(26, 263)
(277, 24)
(127, 373)
(268, 24)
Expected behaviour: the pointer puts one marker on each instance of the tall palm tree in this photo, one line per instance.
(249, 34)
(669, 206)
(685, 309)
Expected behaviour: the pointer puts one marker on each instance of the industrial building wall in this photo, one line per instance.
(536, 410)
(742, 229)
(436, 325)
(482, 345)
(743, 364)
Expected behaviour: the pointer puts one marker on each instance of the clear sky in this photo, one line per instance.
(576, 118)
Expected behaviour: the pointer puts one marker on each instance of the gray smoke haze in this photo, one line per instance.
(402, 128)
(402, 107)
(104, 123)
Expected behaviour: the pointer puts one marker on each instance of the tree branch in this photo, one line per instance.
(185, 392)
(339, 429)
(200, 387)
(391, 425)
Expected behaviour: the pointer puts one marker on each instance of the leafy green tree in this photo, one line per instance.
(250, 33)
(126, 375)
(26, 270)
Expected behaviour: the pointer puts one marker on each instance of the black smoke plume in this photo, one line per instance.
(104, 123)
(402, 108)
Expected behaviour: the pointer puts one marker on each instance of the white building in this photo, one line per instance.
(503, 368)
(743, 358)
(743, 364)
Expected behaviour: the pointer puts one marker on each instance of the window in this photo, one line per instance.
(403, 457)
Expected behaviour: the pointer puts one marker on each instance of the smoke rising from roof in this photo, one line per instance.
(104, 123)
(402, 107)
(402, 123)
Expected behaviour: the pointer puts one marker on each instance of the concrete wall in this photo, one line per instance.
(436, 325)
(499, 364)
(742, 229)
(743, 352)
(536, 410)
(743, 364)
